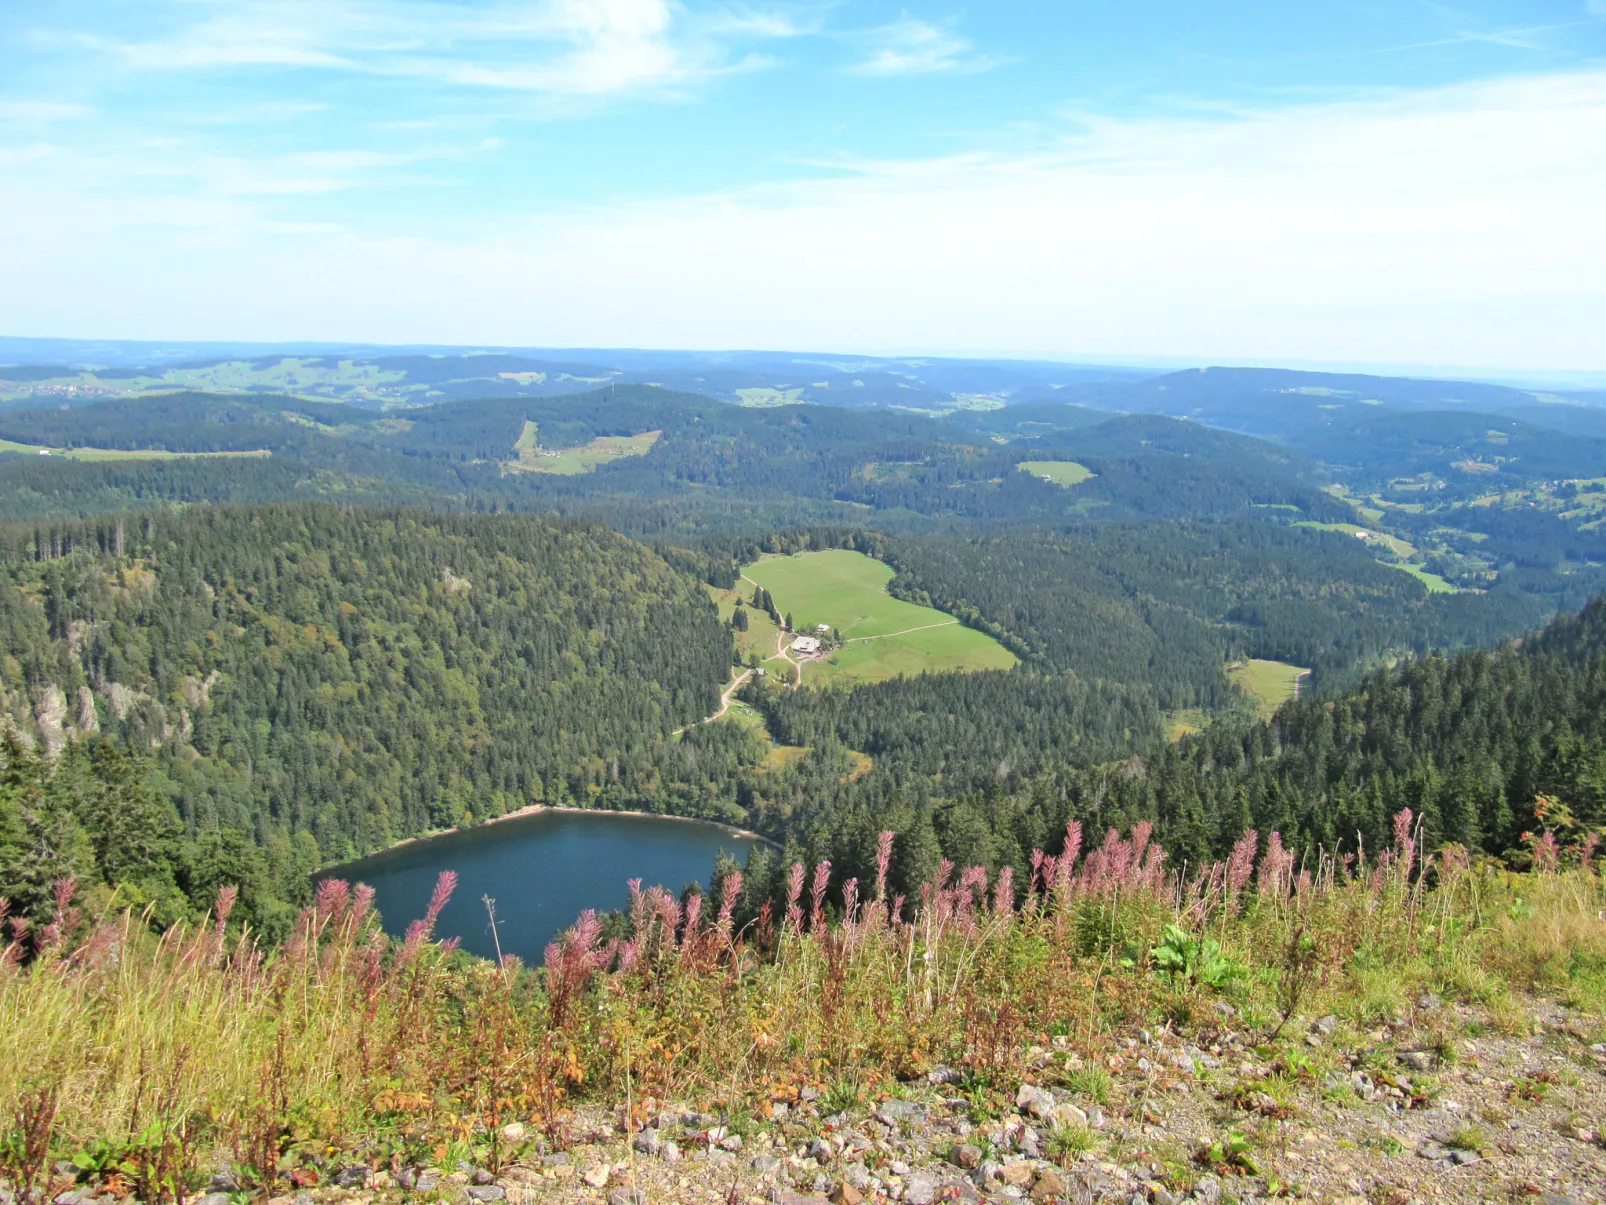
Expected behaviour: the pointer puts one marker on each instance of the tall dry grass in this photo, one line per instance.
(156, 1059)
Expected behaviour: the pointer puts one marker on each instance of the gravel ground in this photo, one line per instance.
(1433, 1108)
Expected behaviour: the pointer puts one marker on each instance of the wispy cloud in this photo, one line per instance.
(911, 46)
(565, 47)
(36, 111)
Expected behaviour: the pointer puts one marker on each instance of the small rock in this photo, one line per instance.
(968, 1156)
(857, 1175)
(627, 1196)
(428, 1180)
(84, 1198)
(1327, 1026)
(1208, 1190)
(820, 1151)
(1580, 1133)
(1095, 1117)
(766, 1165)
(1419, 1060)
(597, 1174)
(942, 1075)
(669, 1152)
(487, 1192)
(555, 1160)
(1034, 1101)
(920, 1188)
(224, 1181)
(989, 1173)
(898, 1167)
(1069, 1115)
(1429, 1149)
(731, 1142)
(1559, 1198)
(1464, 1157)
(483, 1177)
(845, 1194)
(1048, 1185)
(647, 1142)
(891, 1112)
(1018, 1173)
(514, 1131)
(352, 1177)
(1031, 1143)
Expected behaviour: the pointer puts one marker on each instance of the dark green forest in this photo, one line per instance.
(241, 670)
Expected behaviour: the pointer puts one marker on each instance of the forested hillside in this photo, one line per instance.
(1470, 743)
(321, 682)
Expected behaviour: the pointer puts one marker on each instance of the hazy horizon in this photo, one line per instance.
(1396, 185)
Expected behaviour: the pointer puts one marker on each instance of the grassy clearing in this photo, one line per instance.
(121, 453)
(571, 462)
(885, 637)
(764, 396)
(1434, 583)
(758, 642)
(1060, 472)
(1269, 683)
(1186, 722)
(150, 1062)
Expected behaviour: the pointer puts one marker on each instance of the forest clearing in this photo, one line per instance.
(882, 637)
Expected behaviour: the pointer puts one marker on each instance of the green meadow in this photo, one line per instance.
(1060, 472)
(571, 462)
(6, 446)
(884, 637)
(1269, 683)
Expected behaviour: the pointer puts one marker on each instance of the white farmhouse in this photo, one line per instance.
(807, 645)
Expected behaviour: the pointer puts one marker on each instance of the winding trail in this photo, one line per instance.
(724, 701)
(922, 628)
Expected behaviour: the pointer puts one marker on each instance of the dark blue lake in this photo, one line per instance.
(542, 870)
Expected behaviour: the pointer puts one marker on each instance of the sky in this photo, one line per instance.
(1367, 181)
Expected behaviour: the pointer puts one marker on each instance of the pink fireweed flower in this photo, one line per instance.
(364, 902)
(730, 889)
(1004, 891)
(1073, 844)
(420, 931)
(822, 879)
(794, 889)
(225, 905)
(331, 898)
(1241, 862)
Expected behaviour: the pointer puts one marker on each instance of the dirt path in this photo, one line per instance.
(724, 700)
(884, 635)
(730, 693)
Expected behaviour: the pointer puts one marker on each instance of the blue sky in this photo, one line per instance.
(1397, 181)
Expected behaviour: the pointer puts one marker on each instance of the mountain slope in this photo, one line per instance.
(357, 677)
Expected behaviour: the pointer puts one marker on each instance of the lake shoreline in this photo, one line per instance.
(536, 809)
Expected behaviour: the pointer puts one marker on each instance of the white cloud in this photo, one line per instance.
(565, 47)
(910, 46)
(1452, 226)
(39, 111)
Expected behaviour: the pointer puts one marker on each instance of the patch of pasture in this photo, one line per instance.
(1058, 472)
(571, 462)
(1269, 683)
(884, 637)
